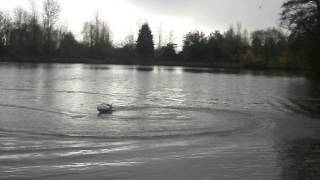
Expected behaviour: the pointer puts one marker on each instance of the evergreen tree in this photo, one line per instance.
(145, 45)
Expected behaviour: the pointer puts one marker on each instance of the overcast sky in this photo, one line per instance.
(179, 16)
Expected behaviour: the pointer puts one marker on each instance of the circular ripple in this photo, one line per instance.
(173, 121)
(135, 122)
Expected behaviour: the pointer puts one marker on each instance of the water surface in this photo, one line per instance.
(169, 123)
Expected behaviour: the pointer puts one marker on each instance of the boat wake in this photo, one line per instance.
(28, 108)
(139, 122)
(307, 107)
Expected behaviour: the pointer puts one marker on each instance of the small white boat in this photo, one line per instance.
(105, 108)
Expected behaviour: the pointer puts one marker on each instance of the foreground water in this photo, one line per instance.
(169, 123)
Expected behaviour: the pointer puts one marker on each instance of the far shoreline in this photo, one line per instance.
(151, 62)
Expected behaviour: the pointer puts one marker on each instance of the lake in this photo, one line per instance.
(168, 123)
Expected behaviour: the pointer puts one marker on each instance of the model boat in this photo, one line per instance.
(105, 108)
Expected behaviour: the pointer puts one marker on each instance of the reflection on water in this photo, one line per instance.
(268, 73)
(144, 68)
(300, 159)
(219, 123)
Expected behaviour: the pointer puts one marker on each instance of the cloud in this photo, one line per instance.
(179, 16)
(253, 14)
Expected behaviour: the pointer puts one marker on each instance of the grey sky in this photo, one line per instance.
(179, 16)
(253, 14)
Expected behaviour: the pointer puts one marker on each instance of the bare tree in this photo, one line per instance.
(129, 41)
(20, 18)
(5, 28)
(160, 35)
(51, 12)
(96, 35)
(171, 37)
(35, 30)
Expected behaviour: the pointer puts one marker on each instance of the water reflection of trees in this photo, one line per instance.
(300, 160)
(145, 68)
(304, 95)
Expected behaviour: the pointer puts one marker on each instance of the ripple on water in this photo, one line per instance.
(134, 122)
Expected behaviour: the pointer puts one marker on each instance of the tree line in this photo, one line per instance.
(25, 34)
